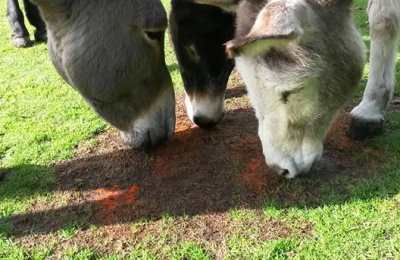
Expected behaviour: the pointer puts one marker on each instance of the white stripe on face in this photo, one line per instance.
(212, 108)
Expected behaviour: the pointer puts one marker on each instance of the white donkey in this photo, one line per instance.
(384, 20)
(301, 61)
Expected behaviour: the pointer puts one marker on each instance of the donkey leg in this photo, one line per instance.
(20, 35)
(34, 18)
(366, 119)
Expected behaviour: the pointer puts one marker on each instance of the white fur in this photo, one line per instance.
(384, 21)
(296, 102)
(212, 108)
(157, 123)
(265, 90)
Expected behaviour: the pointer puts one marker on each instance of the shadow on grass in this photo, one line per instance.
(196, 172)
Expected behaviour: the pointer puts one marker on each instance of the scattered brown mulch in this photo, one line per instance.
(198, 176)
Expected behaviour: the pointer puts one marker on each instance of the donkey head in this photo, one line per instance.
(112, 53)
(300, 60)
(198, 33)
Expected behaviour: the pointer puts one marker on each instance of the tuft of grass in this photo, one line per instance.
(70, 230)
(142, 253)
(137, 224)
(243, 214)
(189, 250)
(78, 253)
(41, 253)
(239, 248)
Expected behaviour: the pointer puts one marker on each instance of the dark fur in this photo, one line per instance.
(207, 28)
(20, 35)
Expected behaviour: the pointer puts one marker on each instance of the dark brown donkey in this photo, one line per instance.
(198, 34)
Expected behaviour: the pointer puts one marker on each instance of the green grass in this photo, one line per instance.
(42, 119)
(70, 230)
(189, 251)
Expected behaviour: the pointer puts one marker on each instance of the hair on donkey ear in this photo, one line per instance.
(259, 45)
(277, 25)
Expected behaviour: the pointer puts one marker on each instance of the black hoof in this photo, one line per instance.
(360, 129)
(21, 42)
(41, 36)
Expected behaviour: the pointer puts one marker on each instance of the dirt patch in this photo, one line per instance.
(198, 177)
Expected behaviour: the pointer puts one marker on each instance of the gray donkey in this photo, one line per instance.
(301, 60)
(112, 53)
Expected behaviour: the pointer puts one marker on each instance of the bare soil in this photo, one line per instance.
(198, 177)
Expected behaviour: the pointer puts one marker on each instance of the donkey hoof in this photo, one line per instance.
(361, 129)
(41, 36)
(21, 42)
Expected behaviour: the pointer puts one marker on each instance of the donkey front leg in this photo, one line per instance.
(384, 18)
(20, 35)
(34, 18)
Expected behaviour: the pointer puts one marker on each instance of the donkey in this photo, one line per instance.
(198, 33)
(112, 53)
(300, 60)
(20, 35)
(366, 119)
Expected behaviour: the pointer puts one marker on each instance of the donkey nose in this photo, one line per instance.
(203, 121)
(281, 172)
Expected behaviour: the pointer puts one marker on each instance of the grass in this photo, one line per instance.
(42, 119)
(70, 230)
(189, 250)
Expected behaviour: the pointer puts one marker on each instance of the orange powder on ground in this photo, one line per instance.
(129, 194)
(111, 199)
(337, 136)
(252, 175)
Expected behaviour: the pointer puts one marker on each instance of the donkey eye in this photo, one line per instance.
(155, 36)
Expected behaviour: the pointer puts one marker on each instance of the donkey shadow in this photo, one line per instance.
(196, 172)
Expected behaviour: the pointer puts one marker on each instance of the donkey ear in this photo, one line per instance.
(259, 45)
(276, 25)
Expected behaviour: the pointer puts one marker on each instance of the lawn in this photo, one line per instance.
(48, 134)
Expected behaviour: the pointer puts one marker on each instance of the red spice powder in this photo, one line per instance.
(337, 136)
(111, 199)
(129, 194)
(253, 174)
